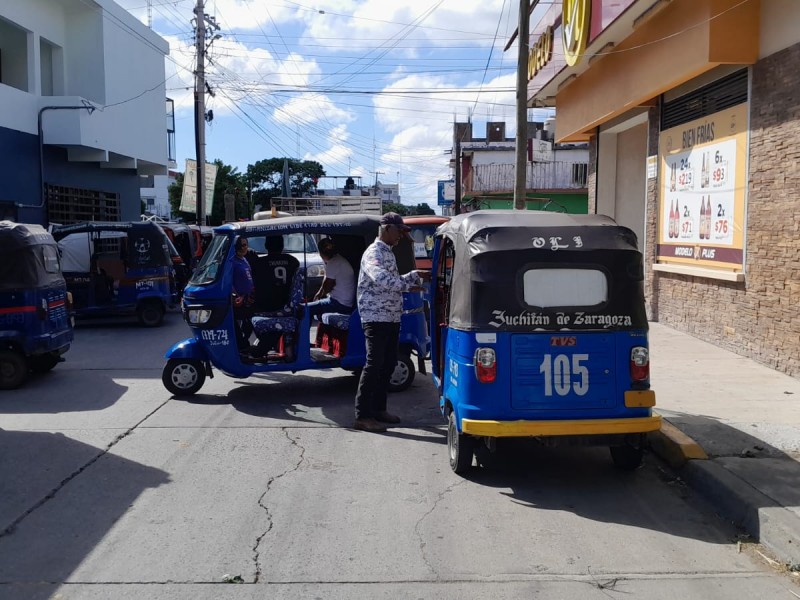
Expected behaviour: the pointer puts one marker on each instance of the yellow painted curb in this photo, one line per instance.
(674, 446)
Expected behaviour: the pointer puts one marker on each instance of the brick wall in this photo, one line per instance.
(758, 318)
(591, 176)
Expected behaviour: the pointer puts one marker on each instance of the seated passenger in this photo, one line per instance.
(243, 294)
(338, 291)
(273, 275)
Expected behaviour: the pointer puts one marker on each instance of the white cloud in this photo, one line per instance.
(272, 55)
(310, 108)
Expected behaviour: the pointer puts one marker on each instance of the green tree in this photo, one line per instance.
(422, 209)
(228, 180)
(400, 209)
(265, 178)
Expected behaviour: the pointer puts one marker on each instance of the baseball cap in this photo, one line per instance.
(392, 218)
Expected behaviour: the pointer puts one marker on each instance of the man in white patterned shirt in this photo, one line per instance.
(380, 304)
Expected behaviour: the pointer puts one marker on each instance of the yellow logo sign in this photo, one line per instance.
(576, 17)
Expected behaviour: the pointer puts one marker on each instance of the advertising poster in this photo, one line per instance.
(189, 196)
(702, 191)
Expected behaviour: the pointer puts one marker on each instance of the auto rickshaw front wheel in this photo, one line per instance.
(628, 457)
(460, 447)
(150, 313)
(13, 369)
(183, 376)
(403, 374)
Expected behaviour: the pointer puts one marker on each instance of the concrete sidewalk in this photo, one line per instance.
(746, 417)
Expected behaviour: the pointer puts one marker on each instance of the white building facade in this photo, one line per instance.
(82, 84)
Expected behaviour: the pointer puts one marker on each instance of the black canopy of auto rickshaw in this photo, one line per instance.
(494, 248)
(147, 244)
(24, 260)
(343, 229)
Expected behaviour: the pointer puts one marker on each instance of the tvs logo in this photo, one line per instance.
(563, 340)
(575, 22)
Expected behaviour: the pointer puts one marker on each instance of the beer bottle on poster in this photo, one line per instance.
(702, 217)
(673, 168)
(671, 220)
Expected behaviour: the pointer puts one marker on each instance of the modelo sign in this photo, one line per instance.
(541, 52)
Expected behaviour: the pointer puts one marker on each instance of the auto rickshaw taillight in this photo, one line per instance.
(640, 364)
(485, 365)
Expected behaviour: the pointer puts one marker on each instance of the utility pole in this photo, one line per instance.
(200, 111)
(457, 200)
(520, 162)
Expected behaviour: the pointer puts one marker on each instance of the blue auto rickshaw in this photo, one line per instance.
(35, 320)
(118, 268)
(541, 332)
(339, 339)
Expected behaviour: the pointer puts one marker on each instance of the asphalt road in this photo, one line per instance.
(110, 488)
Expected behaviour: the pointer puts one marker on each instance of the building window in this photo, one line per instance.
(580, 173)
(66, 205)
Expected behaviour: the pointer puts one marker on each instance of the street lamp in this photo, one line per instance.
(43, 196)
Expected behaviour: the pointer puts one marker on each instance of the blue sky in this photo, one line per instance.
(362, 86)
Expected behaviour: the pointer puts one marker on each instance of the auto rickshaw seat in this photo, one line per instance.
(332, 333)
(287, 318)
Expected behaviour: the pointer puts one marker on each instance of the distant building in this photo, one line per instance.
(82, 86)
(156, 197)
(388, 192)
(555, 177)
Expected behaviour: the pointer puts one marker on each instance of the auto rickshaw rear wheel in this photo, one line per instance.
(628, 456)
(403, 375)
(183, 376)
(13, 369)
(41, 363)
(150, 313)
(460, 447)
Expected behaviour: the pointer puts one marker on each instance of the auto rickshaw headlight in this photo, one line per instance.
(199, 316)
(315, 271)
(485, 365)
(640, 364)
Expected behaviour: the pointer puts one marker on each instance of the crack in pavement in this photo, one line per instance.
(270, 523)
(418, 533)
(9, 529)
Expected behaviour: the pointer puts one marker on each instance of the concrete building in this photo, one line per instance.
(556, 174)
(156, 196)
(82, 87)
(692, 111)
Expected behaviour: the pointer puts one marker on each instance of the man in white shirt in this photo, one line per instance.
(338, 291)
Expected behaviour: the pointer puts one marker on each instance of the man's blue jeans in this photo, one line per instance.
(326, 305)
(381, 340)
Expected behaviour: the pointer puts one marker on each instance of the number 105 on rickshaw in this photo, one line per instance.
(541, 340)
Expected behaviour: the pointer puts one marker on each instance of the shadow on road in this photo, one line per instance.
(52, 514)
(308, 398)
(62, 391)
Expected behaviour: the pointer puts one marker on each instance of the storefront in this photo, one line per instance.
(691, 108)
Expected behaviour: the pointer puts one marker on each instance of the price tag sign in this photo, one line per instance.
(719, 174)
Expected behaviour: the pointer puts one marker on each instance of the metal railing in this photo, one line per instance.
(543, 176)
(330, 205)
